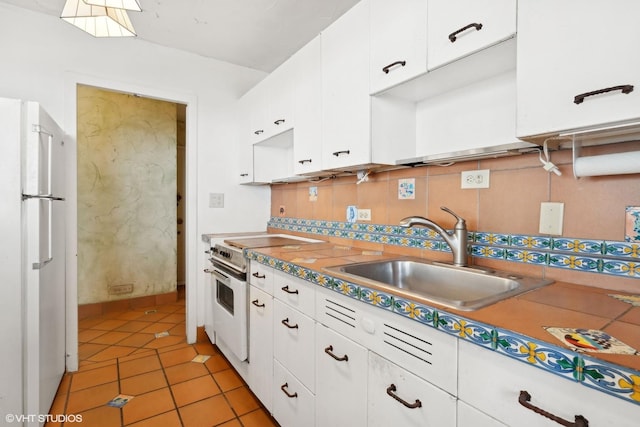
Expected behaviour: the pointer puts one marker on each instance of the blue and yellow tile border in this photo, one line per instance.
(618, 381)
(616, 258)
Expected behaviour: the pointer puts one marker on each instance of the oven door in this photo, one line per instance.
(229, 295)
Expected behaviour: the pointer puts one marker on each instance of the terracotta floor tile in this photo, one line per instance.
(193, 390)
(175, 357)
(233, 423)
(87, 365)
(185, 371)
(174, 318)
(111, 353)
(173, 347)
(109, 325)
(132, 326)
(153, 317)
(157, 327)
(130, 315)
(179, 329)
(631, 316)
(139, 366)
(137, 340)
(206, 413)
(90, 322)
(91, 397)
(138, 354)
(86, 350)
(258, 418)
(242, 400)
(111, 337)
(102, 416)
(168, 419)
(147, 405)
(93, 377)
(206, 348)
(143, 383)
(217, 363)
(87, 335)
(166, 341)
(228, 379)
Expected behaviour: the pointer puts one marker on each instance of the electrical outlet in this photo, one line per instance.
(475, 179)
(364, 214)
(551, 216)
(216, 200)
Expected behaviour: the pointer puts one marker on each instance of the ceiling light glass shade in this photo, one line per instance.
(98, 21)
(117, 4)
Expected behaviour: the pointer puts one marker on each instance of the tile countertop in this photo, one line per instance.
(560, 304)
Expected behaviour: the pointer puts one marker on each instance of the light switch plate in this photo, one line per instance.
(551, 218)
(216, 200)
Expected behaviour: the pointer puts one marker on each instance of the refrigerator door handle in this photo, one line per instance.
(42, 197)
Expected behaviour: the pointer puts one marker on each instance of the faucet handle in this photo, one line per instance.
(460, 222)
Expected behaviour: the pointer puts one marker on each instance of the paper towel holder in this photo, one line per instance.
(605, 164)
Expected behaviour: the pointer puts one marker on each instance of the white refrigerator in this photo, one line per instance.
(32, 260)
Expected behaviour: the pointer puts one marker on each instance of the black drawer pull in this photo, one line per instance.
(329, 351)
(287, 290)
(302, 162)
(453, 36)
(339, 153)
(390, 66)
(285, 322)
(390, 392)
(259, 131)
(578, 99)
(258, 275)
(244, 174)
(257, 303)
(524, 400)
(284, 387)
(278, 122)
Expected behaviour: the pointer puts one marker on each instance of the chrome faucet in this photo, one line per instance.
(457, 239)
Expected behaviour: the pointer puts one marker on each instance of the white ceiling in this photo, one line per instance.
(259, 34)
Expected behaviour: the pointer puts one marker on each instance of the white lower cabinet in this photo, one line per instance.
(468, 416)
(293, 403)
(396, 397)
(261, 345)
(341, 380)
(493, 384)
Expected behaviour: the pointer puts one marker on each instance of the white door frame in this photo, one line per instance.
(72, 80)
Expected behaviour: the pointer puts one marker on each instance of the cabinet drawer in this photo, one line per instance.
(295, 292)
(399, 398)
(293, 404)
(260, 375)
(294, 342)
(468, 416)
(261, 276)
(492, 383)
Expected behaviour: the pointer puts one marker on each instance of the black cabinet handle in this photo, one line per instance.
(524, 400)
(390, 66)
(259, 131)
(258, 275)
(578, 99)
(329, 351)
(244, 174)
(390, 392)
(257, 303)
(339, 153)
(284, 387)
(285, 322)
(278, 122)
(289, 291)
(302, 162)
(453, 36)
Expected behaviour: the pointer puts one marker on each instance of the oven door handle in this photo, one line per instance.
(221, 277)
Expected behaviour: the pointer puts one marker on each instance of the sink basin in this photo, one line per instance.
(461, 288)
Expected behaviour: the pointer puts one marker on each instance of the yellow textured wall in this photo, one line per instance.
(126, 195)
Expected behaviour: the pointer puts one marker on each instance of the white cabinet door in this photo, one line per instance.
(261, 276)
(307, 138)
(293, 404)
(293, 343)
(295, 292)
(280, 93)
(468, 416)
(260, 376)
(457, 28)
(492, 383)
(398, 32)
(345, 90)
(399, 398)
(341, 383)
(571, 48)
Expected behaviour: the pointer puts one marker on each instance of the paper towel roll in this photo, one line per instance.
(607, 164)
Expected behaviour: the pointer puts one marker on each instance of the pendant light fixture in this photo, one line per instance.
(99, 21)
(117, 4)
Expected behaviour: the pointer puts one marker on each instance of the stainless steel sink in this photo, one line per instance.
(461, 288)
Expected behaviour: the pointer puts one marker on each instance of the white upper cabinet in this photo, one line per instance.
(346, 139)
(398, 42)
(457, 28)
(577, 64)
(271, 110)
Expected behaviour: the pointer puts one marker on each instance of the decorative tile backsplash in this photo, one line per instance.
(595, 256)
